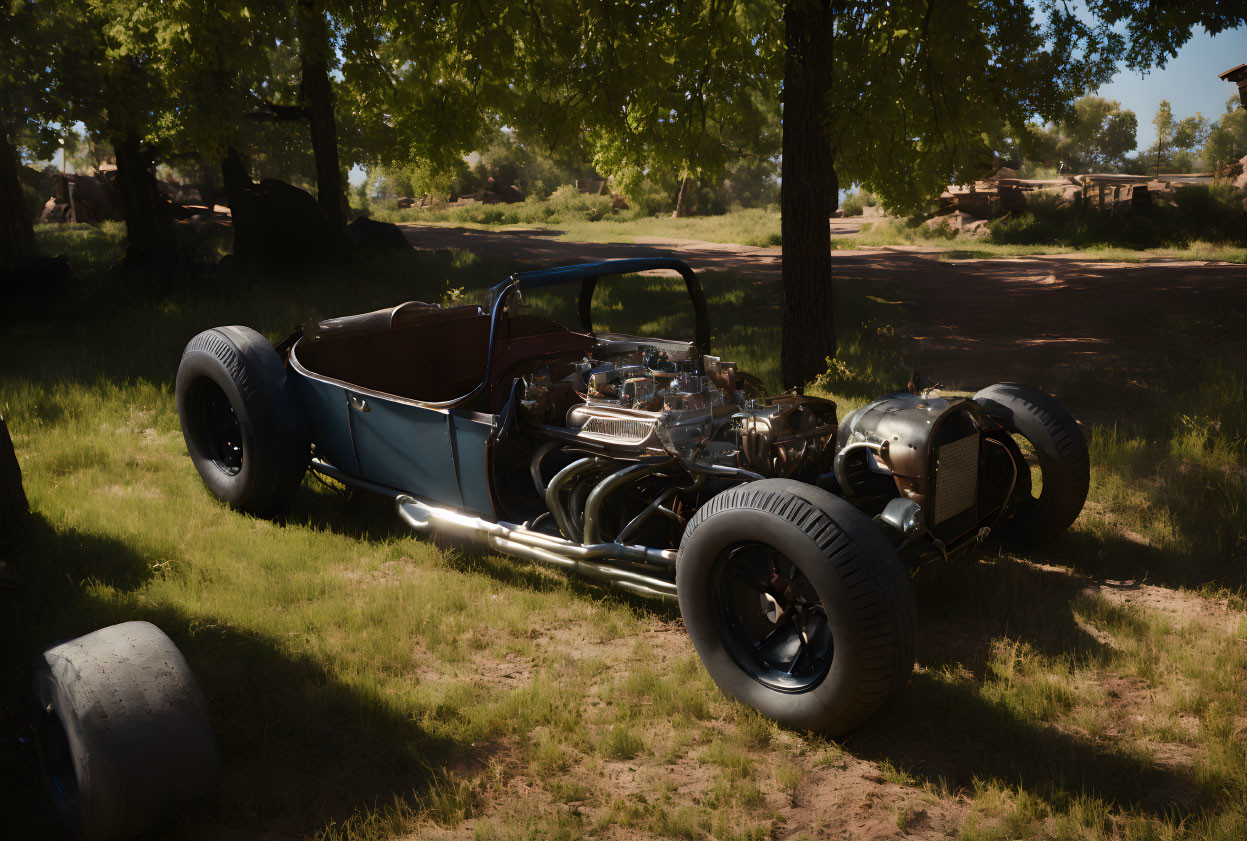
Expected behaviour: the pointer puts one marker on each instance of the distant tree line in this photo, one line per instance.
(1100, 136)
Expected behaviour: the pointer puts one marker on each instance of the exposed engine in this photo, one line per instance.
(635, 400)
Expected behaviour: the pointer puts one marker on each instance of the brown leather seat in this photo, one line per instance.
(434, 354)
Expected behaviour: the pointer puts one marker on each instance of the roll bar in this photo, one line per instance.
(587, 274)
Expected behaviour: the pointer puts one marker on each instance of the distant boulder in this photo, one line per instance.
(369, 233)
(274, 220)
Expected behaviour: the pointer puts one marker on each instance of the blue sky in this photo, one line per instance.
(1189, 81)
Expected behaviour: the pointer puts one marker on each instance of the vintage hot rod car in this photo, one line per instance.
(649, 464)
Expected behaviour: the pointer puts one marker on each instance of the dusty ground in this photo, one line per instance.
(976, 321)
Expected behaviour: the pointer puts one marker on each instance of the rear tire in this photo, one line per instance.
(124, 737)
(1063, 460)
(246, 429)
(797, 604)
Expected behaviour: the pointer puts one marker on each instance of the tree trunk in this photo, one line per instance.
(152, 244)
(679, 199)
(17, 231)
(237, 181)
(318, 97)
(808, 193)
(209, 190)
(14, 509)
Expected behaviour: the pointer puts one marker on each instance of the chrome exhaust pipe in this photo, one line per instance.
(591, 561)
(516, 540)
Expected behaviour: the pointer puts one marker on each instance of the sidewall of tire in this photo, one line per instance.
(863, 674)
(137, 727)
(271, 417)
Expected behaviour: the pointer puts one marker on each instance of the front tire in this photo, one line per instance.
(797, 604)
(1061, 450)
(244, 425)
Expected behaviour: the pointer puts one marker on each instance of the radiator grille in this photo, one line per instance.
(956, 477)
(621, 428)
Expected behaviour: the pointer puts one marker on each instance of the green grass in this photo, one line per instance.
(751, 226)
(1174, 234)
(895, 232)
(1207, 235)
(367, 685)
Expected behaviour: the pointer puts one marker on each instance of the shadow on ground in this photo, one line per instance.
(946, 730)
(302, 750)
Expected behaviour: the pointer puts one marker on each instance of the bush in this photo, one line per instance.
(566, 204)
(569, 203)
(855, 201)
(1198, 212)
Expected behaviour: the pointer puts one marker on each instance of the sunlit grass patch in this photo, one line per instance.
(735, 761)
(367, 684)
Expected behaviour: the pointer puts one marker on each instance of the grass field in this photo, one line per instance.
(366, 684)
(761, 227)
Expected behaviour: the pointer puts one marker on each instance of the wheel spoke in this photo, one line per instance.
(765, 600)
(800, 653)
(784, 619)
(751, 583)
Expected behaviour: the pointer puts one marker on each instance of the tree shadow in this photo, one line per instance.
(944, 730)
(976, 598)
(302, 749)
(319, 504)
(946, 734)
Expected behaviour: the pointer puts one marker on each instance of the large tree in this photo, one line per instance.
(901, 97)
(29, 112)
(110, 69)
(1097, 136)
(1227, 137)
(316, 51)
(1175, 137)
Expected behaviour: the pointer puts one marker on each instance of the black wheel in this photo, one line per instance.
(797, 604)
(244, 425)
(1050, 500)
(122, 732)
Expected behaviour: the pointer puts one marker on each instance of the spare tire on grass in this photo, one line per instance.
(122, 732)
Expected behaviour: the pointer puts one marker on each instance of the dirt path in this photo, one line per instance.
(976, 321)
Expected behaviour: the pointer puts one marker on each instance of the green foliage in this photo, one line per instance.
(30, 104)
(1095, 138)
(506, 157)
(654, 91)
(1176, 141)
(565, 205)
(855, 201)
(568, 201)
(1198, 213)
(1227, 137)
(1155, 32)
(950, 77)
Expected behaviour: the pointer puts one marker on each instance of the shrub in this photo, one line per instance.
(569, 203)
(855, 201)
(1198, 212)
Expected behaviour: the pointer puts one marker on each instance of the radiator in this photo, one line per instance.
(956, 477)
